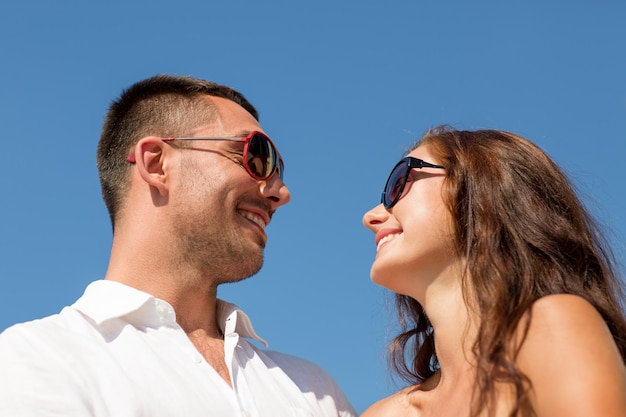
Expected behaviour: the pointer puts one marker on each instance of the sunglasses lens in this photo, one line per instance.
(395, 184)
(281, 167)
(262, 157)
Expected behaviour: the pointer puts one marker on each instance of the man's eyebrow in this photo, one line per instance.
(242, 133)
(237, 134)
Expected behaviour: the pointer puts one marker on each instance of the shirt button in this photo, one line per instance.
(196, 358)
(165, 312)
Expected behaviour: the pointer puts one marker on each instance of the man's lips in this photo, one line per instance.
(260, 218)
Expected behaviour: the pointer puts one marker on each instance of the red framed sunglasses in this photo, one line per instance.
(260, 156)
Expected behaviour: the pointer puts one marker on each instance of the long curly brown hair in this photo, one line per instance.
(524, 234)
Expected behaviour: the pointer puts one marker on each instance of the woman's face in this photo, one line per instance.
(414, 237)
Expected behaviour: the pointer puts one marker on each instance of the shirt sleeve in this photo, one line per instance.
(315, 383)
(37, 379)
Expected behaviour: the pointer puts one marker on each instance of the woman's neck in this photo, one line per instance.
(455, 328)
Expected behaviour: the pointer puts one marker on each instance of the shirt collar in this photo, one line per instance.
(105, 300)
(233, 320)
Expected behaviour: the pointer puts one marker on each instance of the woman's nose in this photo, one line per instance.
(375, 217)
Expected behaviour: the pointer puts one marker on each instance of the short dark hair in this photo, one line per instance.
(163, 105)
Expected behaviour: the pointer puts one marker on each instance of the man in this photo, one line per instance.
(190, 181)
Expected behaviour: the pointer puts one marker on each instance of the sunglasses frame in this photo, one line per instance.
(408, 163)
(279, 164)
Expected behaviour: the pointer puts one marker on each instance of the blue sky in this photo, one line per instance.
(343, 88)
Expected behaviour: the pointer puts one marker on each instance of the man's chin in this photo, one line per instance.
(248, 271)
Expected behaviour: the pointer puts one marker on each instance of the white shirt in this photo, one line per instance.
(119, 352)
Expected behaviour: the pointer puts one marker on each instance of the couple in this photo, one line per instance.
(509, 300)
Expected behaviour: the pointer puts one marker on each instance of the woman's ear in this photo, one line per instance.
(149, 157)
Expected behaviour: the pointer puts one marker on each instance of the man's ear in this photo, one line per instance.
(150, 161)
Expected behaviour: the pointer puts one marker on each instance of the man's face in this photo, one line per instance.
(219, 211)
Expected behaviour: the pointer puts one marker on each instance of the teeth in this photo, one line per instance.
(251, 216)
(386, 239)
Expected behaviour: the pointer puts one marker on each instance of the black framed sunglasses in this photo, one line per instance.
(398, 178)
(260, 156)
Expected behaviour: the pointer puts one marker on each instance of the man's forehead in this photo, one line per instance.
(229, 118)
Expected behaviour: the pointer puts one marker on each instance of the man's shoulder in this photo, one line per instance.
(55, 329)
(295, 364)
(312, 378)
(51, 321)
(304, 373)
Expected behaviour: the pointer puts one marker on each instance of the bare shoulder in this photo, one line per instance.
(565, 309)
(568, 327)
(561, 320)
(572, 360)
(394, 405)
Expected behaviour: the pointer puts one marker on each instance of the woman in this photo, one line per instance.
(507, 295)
